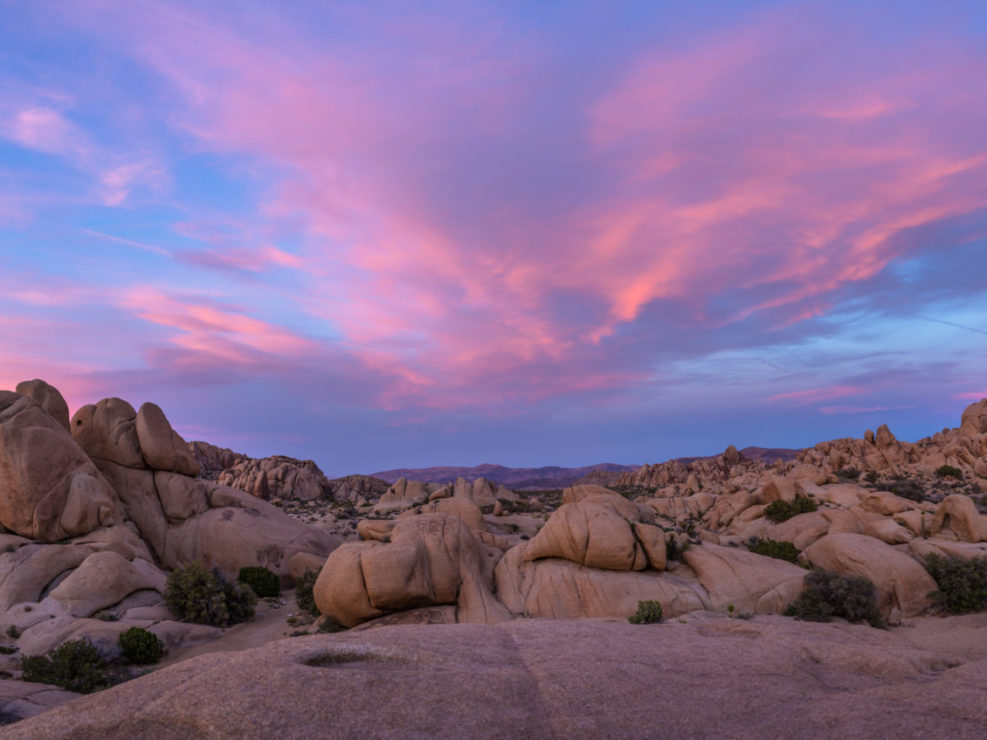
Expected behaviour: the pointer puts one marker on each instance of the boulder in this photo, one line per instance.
(903, 586)
(181, 497)
(463, 508)
(752, 583)
(562, 589)
(889, 531)
(49, 489)
(959, 514)
(104, 579)
(48, 398)
(161, 446)
(590, 533)
(108, 431)
(885, 503)
(28, 571)
(402, 495)
(254, 533)
(427, 560)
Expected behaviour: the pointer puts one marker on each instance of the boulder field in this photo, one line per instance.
(97, 508)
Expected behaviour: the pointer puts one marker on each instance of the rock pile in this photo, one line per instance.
(685, 542)
(94, 511)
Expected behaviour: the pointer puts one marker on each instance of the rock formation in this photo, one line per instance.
(93, 519)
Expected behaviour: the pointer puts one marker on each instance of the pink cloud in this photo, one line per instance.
(814, 395)
(47, 130)
(971, 395)
(724, 189)
(839, 410)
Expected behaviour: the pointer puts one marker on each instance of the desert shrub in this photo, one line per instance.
(648, 612)
(774, 549)
(74, 666)
(264, 582)
(948, 471)
(826, 595)
(871, 476)
(139, 646)
(303, 591)
(962, 583)
(204, 596)
(781, 511)
(673, 550)
(908, 488)
(850, 473)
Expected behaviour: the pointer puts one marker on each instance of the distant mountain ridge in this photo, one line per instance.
(547, 477)
(553, 476)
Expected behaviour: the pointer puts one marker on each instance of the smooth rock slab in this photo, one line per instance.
(708, 677)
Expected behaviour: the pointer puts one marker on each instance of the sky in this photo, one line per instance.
(389, 234)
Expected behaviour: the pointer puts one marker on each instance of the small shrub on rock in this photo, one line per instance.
(962, 583)
(949, 471)
(780, 550)
(264, 582)
(206, 597)
(648, 612)
(826, 595)
(303, 591)
(139, 646)
(848, 473)
(74, 666)
(782, 511)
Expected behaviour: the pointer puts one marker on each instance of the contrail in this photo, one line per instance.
(957, 326)
(128, 242)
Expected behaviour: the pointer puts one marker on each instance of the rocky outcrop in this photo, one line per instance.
(426, 560)
(278, 477)
(214, 460)
(119, 496)
(49, 489)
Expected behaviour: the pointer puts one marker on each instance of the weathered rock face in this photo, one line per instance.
(49, 489)
(425, 560)
(277, 477)
(960, 515)
(599, 531)
(161, 446)
(48, 398)
(107, 431)
(214, 460)
(241, 530)
(903, 586)
(752, 583)
(561, 589)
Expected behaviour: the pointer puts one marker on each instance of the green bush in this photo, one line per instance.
(74, 666)
(648, 612)
(139, 646)
(781, 511)
(264, 582)
(913, 490)
(850, 473)
(948, 471)
(962, 583)
(303, 591)
(204, 596)
(774, 549)
(826, 595)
